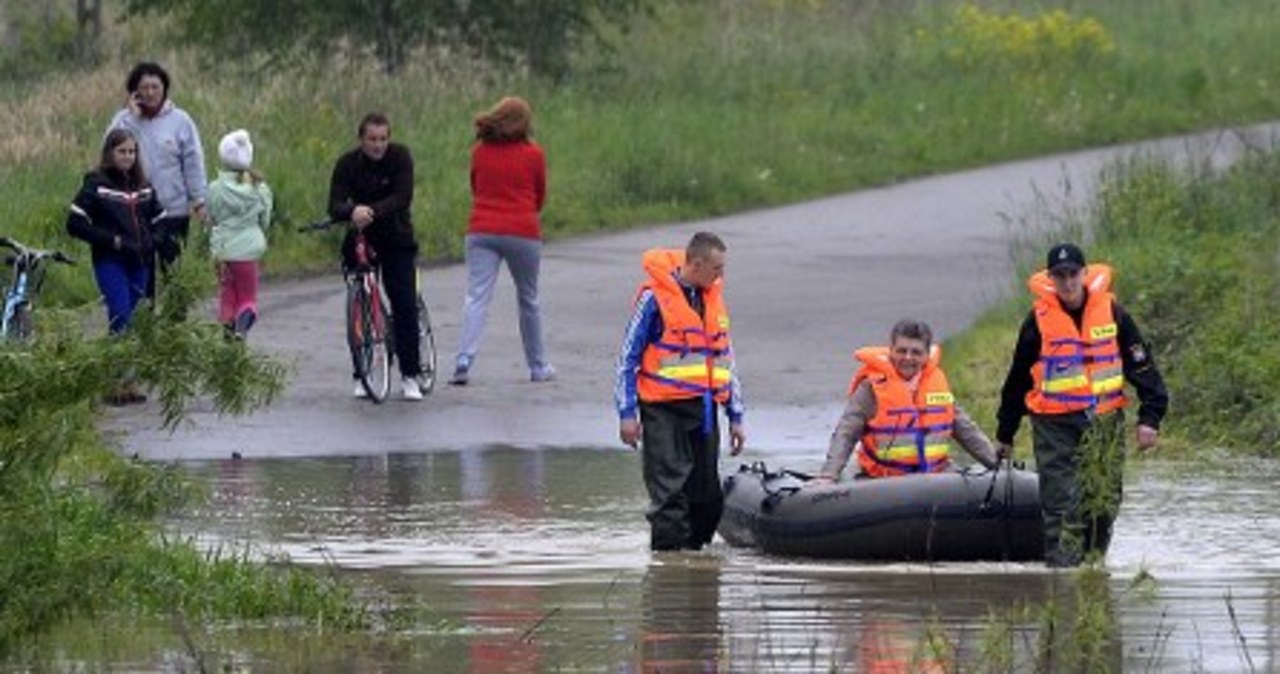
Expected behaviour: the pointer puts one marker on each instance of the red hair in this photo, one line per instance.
(510, 120)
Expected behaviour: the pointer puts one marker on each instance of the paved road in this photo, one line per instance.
(807, 283)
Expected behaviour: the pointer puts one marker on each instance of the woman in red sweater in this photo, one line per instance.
(508, 188)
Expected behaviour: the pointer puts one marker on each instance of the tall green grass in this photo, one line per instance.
(700, 109)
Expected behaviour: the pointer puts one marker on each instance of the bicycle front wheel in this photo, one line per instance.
(18, 326)
(426, 347)
(367, 339)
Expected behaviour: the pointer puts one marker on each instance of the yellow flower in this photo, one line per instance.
(1051, 41)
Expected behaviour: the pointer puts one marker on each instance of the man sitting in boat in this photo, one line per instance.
(901, 414)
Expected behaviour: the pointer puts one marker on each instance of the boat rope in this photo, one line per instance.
(1006, 541)
(773, 495)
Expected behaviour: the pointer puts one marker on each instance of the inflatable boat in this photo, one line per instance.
(966, 515)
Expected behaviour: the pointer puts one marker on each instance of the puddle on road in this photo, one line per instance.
(536, 561)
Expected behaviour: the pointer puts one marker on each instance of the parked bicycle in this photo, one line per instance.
(370, 330)
(17, 321)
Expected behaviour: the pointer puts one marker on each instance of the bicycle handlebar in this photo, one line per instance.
(20, 249)
(320, 225)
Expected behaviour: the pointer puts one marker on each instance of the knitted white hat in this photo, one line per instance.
(236, 150)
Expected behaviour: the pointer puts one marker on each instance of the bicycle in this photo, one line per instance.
(370, 327)
(17, 321)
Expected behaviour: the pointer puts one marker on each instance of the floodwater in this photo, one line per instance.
(536, 561)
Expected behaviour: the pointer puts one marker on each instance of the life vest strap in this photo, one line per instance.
(916, 411)
(918, 431)
(685, 349)
(1082, 397)
(1085, 343)
(1079, 359)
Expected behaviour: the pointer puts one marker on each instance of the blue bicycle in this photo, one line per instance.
(28, 264)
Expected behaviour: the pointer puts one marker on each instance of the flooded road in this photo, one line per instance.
(532, 556)
(536, 561)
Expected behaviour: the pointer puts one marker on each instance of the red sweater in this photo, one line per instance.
(508, 186)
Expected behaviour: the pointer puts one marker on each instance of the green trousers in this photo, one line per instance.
(682, 474)
(1080, 460)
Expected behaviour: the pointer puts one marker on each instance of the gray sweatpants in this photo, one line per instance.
(485, 254)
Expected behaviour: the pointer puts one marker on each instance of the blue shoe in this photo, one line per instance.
(460, 373)
(244, 321)
(541, 374)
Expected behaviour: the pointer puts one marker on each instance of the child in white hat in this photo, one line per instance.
(239, 208)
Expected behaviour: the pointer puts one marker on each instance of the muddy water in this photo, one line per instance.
(536, 561)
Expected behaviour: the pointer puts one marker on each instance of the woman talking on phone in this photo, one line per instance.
(170, 151)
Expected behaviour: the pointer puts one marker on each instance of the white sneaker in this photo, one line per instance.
(359, 391)
(412, 391)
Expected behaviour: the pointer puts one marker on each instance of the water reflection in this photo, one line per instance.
(503, 619)
(537, 561)
(680, 627)
(888, 646)
(502, 622)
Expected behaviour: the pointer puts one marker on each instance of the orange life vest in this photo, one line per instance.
(692, 359)
(909, 433)
(1079, 368)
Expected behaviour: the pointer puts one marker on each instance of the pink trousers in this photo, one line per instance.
(238, 289)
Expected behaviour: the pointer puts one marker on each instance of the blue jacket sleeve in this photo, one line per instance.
(644, 320)
(736, 407)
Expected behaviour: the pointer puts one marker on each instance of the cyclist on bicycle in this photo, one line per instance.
(372, 187)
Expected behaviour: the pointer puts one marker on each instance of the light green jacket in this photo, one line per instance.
(241, 213)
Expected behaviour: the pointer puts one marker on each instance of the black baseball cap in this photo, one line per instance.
(1065, 255)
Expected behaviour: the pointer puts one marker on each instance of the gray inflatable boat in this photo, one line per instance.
(967, 515)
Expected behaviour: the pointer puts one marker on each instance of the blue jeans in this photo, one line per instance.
(485, 255)
(122, 286)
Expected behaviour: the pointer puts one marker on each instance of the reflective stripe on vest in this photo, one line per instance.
(687, 369)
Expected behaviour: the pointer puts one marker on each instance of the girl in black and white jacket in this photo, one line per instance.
(112, 212)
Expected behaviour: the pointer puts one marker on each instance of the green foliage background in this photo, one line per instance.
(541, 36)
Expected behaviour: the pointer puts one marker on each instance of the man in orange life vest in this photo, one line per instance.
(902, 412)
(1075, 351)
(675, 367)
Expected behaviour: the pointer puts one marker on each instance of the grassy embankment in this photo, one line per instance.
(706, 108)
(1197, 259)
